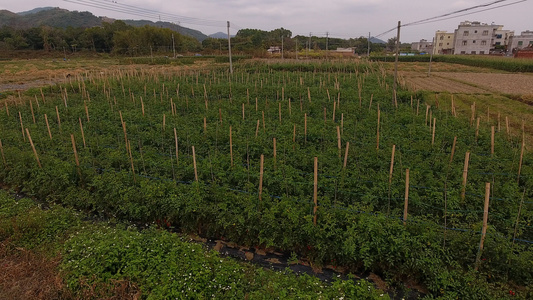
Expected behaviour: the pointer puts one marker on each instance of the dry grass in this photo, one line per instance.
(30, 275)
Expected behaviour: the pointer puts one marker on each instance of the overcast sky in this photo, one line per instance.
(340, 18)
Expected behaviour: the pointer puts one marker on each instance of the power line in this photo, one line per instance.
(152, 14)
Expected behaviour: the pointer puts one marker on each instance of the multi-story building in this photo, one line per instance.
(480, 38)
(443, 42)
(423, 46)
(525, 39)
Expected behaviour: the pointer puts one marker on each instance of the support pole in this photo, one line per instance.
(229, 51)
(396, 61)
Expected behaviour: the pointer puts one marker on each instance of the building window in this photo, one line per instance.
(441, 37)
(464, 43)
(481, 52)
(475, 31)
(447, 44)
(498, 36)
(465, 33)
(497, 43)
(440, 44)
(531, 43)
(473, 52)
(463, 52)
(483, 43)
(520, 43)
(474, 41)
(485, 32)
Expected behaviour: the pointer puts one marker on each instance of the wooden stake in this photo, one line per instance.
(164, 121)
(33, 148)
(334, 109)
(22, 127)
(346, 154)
(392, 163)
(82, 134)
(257, 128)
(58, 119)
(453, 148)
(485, 221)
(305, 127)
(339, 140)
(176, 145)
(465, 174)
(492, 141)
(75, 151)
(521, 159)
(230, 146)
(263, 113)
(194, 164)
(128, 146)
(507, 125)
(315, 190)
(7, 108)
(87, 111)
(261, 177)
(433, 136)
(275, 152)
(477, 128)
(406, 204)
(32, 114)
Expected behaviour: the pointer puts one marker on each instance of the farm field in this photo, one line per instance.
(317, 159)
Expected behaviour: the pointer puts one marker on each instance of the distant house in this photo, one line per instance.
(274, 49)
(524, 40)
(345, 51)
(443, 42)
(423, 46)
(480, 38)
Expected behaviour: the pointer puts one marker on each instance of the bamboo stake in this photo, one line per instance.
(406, 204)
(33, 148)
(309, 95)
(82, 134)
(128, 146)
(392, 163)
(485, 221)
(477, 128)
(507, 125)
(142, 106)
(427, 112)
(7, 108)
(275, 152)
(261, 177)
(194, 164)
(164, 121)
(371, 98)
(334, 109)
(257, 128)
(346, 154)
(315, 190)
(465, 174)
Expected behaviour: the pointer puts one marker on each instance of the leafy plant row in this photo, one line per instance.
(132, 171)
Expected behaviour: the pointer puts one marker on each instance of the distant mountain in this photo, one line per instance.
(33, 11)
(377, 41)
(62, 18)
(182, 30)
(220, 35)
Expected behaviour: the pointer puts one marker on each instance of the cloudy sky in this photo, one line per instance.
(338, 18)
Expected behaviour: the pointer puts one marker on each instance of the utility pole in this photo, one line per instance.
(396, 63)
(282, 47)
(327, 40)
(309, 42)
(431, 56)
(368, 51)
(173, 46)
(229, 49)
(296, 49)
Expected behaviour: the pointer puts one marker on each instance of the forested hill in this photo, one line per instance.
(62, 18)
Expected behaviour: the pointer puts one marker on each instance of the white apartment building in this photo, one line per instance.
(525, 39)
(443, 42)
(480, 38)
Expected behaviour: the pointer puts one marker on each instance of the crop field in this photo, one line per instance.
(318, 159)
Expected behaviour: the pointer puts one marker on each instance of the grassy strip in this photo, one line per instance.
(498, 63)
(102, 260)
